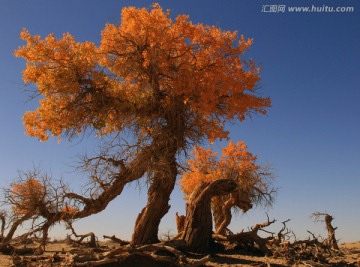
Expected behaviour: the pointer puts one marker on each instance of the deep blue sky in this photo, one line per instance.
(311, 135)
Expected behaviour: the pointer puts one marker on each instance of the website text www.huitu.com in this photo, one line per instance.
(306, 9)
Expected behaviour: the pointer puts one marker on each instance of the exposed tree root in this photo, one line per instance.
(148, 255)
(282, 244)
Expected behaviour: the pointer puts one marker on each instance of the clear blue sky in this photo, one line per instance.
(311, 135)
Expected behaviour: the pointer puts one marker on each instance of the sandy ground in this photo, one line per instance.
(351, 254)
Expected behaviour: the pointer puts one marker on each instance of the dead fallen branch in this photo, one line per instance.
(147, 255)
(250, 238)
(116, 240)
(128, 255)
(80, 238)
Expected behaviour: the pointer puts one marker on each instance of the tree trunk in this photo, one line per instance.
(180, 223)
(198, 221)
(148, 221)
(331, 231)
(224, 217)
(14, 225)
(217, 209)
(331, 240)
(222, 206)
(164, 166)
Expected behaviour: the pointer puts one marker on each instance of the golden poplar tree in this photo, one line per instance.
(169, 82)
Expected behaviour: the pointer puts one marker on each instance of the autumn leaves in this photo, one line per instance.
(140, 71)
(234, 163)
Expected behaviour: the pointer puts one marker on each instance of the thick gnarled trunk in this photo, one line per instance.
(198, 221)
(162, 184)
(148, 221)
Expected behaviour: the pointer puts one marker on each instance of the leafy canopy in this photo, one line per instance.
(148, 73)
(26, 196)
(234, 163)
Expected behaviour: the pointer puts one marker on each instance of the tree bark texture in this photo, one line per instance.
(222, 205)
(198, 221)
(162, 184)
(180, 223)
(331, 232)
(223, 216)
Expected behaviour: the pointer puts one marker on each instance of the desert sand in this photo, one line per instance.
(350, 253)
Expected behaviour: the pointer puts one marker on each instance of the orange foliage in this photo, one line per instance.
(69, 209)
(26, 196)
(145, 69)
(234, 163)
